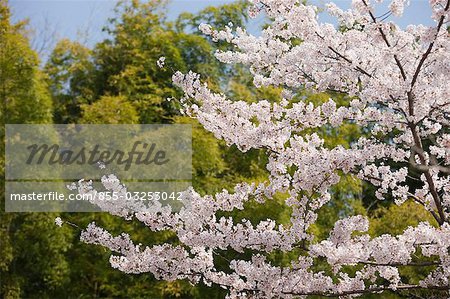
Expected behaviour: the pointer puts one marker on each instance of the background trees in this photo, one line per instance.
(27, 239)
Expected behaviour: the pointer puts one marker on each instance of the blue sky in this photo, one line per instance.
(73, 18)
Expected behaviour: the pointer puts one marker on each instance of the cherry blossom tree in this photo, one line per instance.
(397, 81)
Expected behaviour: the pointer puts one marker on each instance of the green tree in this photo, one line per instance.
(24, 95)
(109, 110)
(32, 261)
(69, 70)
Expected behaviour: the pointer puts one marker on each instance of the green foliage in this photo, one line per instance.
(24, 95)
(32, 252)
(395, 219)
(69, 71)
(109, 110)
(125, 65)
(216, 16)
(39, 263)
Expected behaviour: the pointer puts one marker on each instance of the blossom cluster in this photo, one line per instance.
(397, 84)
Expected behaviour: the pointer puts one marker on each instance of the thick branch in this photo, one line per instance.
(422, 264)
(428, 177)
(412, 126)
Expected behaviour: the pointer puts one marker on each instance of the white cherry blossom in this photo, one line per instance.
(397, 80)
